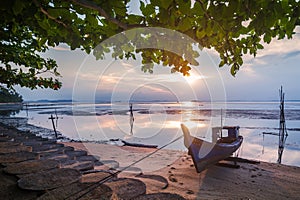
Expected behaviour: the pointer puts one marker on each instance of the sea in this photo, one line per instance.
(159, 123)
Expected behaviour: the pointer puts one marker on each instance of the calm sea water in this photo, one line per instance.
(159, 123)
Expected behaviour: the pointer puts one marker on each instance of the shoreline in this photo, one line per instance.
(172, 172)
(257, 145)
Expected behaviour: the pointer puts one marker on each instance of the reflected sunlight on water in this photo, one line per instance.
(159, 123)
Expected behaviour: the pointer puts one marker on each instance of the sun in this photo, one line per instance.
(192, 78)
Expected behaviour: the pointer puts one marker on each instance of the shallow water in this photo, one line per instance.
(159, 123)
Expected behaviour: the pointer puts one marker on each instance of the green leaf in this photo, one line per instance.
(54, 12)
(233, 70)
(164, 3)
(267, 38)
(200, 33)
(185, 25)
(91, 19)
(285, 4)
(239, 61)
(184, 7)
(222, 63)
(134, 19)
(18, 6)
(259, 46)
(146, 9)
(120, 11)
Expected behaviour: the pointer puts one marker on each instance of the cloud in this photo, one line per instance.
(275, 52)
(156, 89)
(292, 54)
(281, 47)
(248, 69)
(126, 64)
(110, 79)
(61, 47)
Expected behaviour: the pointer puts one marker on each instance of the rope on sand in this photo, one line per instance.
(97, 184)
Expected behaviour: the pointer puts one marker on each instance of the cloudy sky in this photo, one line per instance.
(85, 79)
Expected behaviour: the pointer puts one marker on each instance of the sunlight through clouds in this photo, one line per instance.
(194, 77)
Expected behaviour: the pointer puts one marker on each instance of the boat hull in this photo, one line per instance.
(205, 154)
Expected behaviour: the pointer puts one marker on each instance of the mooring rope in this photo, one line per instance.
(97, 184)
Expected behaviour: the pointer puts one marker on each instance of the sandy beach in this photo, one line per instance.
(168, 173)
(250, 181)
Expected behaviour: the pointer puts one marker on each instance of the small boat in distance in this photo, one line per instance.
(225, 141)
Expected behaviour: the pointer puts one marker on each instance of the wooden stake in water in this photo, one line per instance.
(26, 105)
(54, 128)
(282, 127)
(131, 120)
(221, 122)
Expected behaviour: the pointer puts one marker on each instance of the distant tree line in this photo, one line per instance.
(9, 96)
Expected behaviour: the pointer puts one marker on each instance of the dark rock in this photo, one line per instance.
(77, 190)
(10, 190)
(31, 166)
(18, 157)
(45, 147)
(74, 154)
(14, 149)
(127, 188)
(110, 163)
(47, 180)
(161, 181)
(93, 177)
(87, 158)
(172, 178)
(81, 166)
(9, 144)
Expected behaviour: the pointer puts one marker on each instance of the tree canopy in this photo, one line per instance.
(232, 28)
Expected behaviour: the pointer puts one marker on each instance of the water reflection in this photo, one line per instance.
(159, 123)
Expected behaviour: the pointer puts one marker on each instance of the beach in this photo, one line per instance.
(250, 181)
(142, 100)
(164, 172)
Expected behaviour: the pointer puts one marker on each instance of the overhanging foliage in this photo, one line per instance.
(232, 28)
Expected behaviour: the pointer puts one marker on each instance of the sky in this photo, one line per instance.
(259, 79)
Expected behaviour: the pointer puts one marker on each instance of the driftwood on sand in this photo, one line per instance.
(139, 144)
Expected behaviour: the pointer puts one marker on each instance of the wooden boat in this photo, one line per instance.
(206, 153)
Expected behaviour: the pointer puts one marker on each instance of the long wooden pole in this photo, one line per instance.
(221, 122)
(52, 119)
(282, 127)
(131, 120)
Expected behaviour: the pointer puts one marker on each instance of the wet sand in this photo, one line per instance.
(162, 172)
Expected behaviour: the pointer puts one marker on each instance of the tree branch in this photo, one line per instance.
(204, 9)
(209, 17)
(48, 15)
(94, 6)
